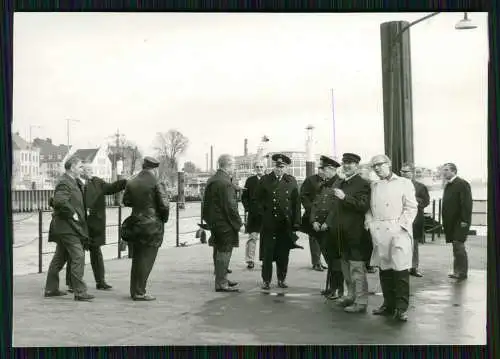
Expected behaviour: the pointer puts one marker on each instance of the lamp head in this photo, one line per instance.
(465, 24)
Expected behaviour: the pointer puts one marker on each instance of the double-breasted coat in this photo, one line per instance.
(150, 210)
(457, 208)
(346, 219)
(393, 208)
(95, 190)
(280, 210)
(220, 211)
(251, 205)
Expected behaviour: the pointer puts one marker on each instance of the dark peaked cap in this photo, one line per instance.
(351, 157)
(328, 162)
(281, 159)
(150, 162)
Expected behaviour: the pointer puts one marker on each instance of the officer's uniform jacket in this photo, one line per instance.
(393, 208)
(308, 192)
(280, 211)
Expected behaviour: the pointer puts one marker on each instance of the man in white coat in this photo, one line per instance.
(393, 208)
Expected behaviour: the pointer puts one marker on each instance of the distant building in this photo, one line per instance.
(25, 164)
(130, 156)
(98, 159)
(50, 160)
(244, 165)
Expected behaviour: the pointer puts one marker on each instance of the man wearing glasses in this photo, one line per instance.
(423, 200)
(393, 209)
(254, 217)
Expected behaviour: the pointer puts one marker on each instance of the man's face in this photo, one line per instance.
(381, 167)
(259, 169)
(321, 172)
(230, 165)
(447, 172)
(279, 169)
(77, 169)
(329, 172)
(349, 168)
(87, 171)
(365, 173)
(407, 172)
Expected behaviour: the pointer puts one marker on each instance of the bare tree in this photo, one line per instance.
(190, 167)
(168, 146)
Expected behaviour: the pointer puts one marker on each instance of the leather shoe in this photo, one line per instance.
(383, 310)
(282, 284)
(333, 296)
(103, 286)
(250, 265)
(70, 290)
(414, 272)
(227, 290)
(143, 298)
(355, 308)
(231, 283)
(401, 315)
(84, 297)
(318, 268)
(266, 286)
(345, 302)
(229, 270)
(323, 266)
(57, 293)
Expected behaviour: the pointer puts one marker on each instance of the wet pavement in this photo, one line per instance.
(188, 311)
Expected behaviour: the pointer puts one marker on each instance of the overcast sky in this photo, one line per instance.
(220, 78)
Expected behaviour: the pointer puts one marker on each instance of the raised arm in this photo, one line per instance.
(114, 187)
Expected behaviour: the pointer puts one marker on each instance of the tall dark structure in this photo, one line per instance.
(211, 158)
(245, 147)
(397, 93)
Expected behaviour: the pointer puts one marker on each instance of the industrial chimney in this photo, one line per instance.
(245, 148)
(206, 162)
(310, 160)
(211, 158)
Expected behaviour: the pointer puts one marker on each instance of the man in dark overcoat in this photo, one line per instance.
(346, 221)
(318, 214)
(423, 200)
(150, 211)
(457, 216)
(278, 195)
(220, 212)
(68, 229)
(95, 190)
(308, 191)
(254, 213)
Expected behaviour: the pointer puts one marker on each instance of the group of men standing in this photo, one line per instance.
(79, 223)
(355, 223)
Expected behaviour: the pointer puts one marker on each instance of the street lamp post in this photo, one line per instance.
(396, 83)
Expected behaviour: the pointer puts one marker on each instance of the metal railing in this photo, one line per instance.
(435, 229)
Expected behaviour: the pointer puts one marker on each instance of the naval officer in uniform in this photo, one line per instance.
(278, 195)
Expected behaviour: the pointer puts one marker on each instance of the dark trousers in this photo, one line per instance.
(221, 265)
(315, 250)
(395, 288)
(334, 276)
(97, 263)
(460, 260)
(142, 264)
(68, 249)
(282, 258)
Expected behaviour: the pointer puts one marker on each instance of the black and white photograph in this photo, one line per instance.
(249, 178)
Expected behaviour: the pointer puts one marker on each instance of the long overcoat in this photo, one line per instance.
(95, 190)
(346, 219)
(393, 208)
(251, 205)
(150, 210)
(280, 209)
(220, 211)
(457, 208)
(308, 192)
